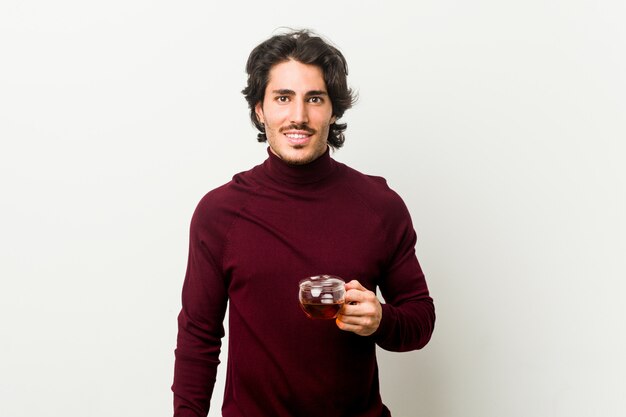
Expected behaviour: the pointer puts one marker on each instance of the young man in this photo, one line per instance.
(298, 214)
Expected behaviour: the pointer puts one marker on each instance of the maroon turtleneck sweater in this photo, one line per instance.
(252, 240)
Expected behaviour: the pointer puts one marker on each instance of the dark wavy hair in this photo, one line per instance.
(305, 47)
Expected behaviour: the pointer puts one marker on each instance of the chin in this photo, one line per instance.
(302, 160)
(298, 154)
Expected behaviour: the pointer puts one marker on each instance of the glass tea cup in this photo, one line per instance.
(322, 296)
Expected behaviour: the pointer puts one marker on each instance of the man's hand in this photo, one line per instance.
(361, 312)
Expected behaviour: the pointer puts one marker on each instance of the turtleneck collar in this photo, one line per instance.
(309, 173)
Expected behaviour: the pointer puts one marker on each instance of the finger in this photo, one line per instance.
(350, 309)
(348, 325)
(344, 326)
(366, 309)
(359, 296)
(350, 320)
(355, 285)
(353, 297)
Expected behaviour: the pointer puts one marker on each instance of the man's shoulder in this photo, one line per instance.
(372, 188)
(384, 203)
(227, 199)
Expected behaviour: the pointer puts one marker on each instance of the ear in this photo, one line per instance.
(258, 109)
(333, 119)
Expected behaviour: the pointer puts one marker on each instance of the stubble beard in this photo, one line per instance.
(316, 153)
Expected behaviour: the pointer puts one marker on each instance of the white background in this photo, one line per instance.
(501, 123)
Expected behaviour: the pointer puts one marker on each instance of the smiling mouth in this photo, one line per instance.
(297, 135)
(298, 139)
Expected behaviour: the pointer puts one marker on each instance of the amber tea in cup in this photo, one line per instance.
(322, 296)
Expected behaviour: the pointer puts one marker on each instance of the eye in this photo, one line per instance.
(316, 100)
(282, 99)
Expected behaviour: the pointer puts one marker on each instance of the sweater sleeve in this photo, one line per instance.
(200, 322)
(408, 316)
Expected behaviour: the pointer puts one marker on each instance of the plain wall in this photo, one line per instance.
(501, 123)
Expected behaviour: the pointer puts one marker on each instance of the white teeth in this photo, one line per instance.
(296, 136)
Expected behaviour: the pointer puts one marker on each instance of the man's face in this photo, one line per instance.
(296, 111)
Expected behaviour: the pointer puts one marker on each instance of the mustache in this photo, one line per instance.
(296, 126)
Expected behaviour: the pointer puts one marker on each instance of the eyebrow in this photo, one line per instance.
(287, 92)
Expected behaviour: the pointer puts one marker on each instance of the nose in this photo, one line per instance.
(299, 114)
